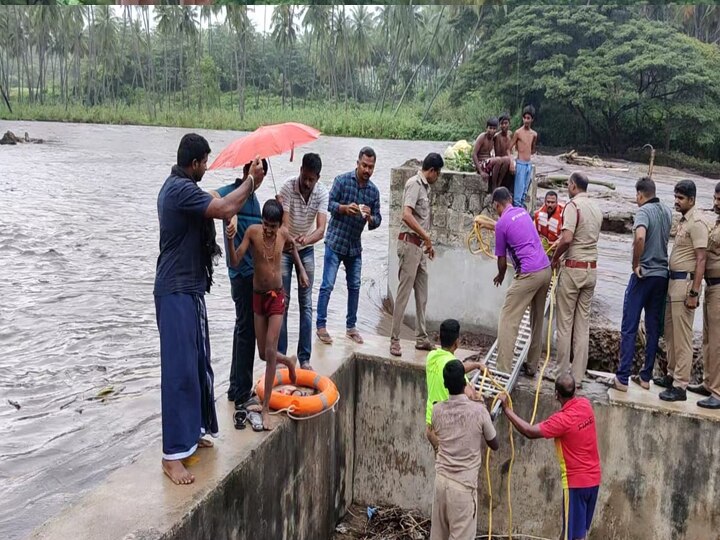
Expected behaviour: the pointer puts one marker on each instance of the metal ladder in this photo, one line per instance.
(522, 346)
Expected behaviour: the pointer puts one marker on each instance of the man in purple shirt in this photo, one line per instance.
(516, 235)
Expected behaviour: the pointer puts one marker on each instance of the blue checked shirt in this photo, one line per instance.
(343, 234)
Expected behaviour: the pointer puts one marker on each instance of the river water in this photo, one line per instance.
(78, 246)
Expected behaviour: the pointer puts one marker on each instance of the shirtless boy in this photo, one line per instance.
(503, 164)
(484, 146)
(268, 242)
(525, 139)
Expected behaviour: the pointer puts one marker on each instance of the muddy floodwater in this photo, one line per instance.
(79, 365)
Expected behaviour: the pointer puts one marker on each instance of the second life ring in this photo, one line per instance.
(326, 397)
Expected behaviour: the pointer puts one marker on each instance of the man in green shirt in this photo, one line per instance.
(436, 360)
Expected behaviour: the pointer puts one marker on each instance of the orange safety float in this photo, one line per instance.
(325, 399)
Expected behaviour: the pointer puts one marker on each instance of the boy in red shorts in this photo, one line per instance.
(268, 242)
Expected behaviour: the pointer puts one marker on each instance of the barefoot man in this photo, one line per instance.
(503, 164)
(483, 148)
(267, 242)
(525, 140)
(183, 276)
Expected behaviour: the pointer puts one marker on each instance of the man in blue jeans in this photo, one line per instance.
(241, 289)
(354, 201)
(648, 284)
(305, 202)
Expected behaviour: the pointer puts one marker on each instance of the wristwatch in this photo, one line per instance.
(693, 294)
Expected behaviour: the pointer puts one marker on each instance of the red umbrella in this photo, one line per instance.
(265, 141)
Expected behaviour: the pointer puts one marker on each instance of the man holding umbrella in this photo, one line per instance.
(266, 141)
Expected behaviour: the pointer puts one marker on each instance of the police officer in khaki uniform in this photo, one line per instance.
(687, 267)
(576, 256)
(710, 386)
(414, 248)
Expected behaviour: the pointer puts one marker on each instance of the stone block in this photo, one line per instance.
(439, 220)
(459, 202)
(474, 204)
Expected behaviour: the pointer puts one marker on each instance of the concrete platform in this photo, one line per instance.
(139, 502)
(661, 467)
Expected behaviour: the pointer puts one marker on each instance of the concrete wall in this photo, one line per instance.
(661, 473)
(461, 284)
(298, 484)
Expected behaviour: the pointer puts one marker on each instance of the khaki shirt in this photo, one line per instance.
(461, 426)
(692, 234)
(583, 218)
(417, 197)
(712, 265)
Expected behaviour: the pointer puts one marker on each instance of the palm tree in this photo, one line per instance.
(284, 32)
(237, 18)
(317, 32)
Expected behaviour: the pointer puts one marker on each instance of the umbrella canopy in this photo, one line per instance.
(265, 141)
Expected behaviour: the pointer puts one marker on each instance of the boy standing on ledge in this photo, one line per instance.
(525, 139)
(268, 241)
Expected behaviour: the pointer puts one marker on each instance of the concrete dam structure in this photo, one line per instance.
(661, 468)
(661, 464)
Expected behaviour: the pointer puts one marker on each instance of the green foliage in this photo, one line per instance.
(628, 80)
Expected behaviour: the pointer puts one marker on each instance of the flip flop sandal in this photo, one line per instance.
(355, 336)
(395, 349)
(240, 418)
(255, 419)
(324, 336)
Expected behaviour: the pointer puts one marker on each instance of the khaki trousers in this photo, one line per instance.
(679, 333)
(454, 511)
(573, 298)
(412, 274)
(525, 290)
(711, 340)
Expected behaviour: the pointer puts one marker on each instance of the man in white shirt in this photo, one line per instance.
(305, 202)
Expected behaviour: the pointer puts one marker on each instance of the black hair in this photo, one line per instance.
(580, 180)
(192, 147)
(529, 110)
(246, 167)
(551, 194)
(272, 211)
(646, 186)
(565, 385)
(492, 122)
(433, 162)
(312, 163)
(454, 377)
(687, 188)
(717, 187)
(449, 332)
(501, 195)
(504, 116)
(367, 151)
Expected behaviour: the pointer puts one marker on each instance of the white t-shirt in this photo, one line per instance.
(301, 214)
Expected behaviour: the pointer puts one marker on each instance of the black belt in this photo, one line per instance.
(712, 281)
(682, 275)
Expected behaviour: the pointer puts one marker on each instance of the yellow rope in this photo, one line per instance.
(486, 223)
(477, 238)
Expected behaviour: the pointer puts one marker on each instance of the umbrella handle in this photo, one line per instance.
(272, 176)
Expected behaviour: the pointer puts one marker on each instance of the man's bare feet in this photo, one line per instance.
(205, 443)
(307, 366)
(291, 368)
(176, 471)
(266, 420)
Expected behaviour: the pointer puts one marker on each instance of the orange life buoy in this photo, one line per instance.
(326, 397)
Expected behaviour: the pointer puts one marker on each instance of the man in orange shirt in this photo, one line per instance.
(548, 220)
